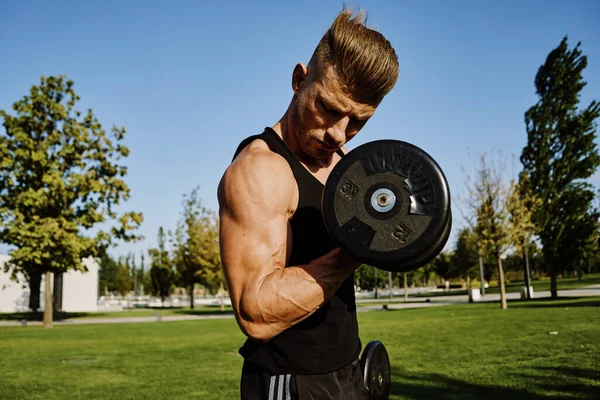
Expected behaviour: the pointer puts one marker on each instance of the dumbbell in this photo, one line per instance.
(387, 203)
(377, 374)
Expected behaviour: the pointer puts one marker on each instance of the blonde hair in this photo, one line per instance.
(363, 58)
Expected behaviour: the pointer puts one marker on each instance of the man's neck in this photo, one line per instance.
(282, 129)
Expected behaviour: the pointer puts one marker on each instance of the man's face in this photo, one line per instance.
(324, 116)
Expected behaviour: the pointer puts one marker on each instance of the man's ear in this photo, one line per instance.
(299, 77)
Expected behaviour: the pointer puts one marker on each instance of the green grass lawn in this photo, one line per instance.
(470, 351)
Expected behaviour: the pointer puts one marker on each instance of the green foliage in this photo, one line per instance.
(442, 265)
(465, 259)
(196, 251)
(122, 275)
(205, 251)
(520, 204)
(147, 281)
(559, 157)
(123, 280)
(424, 276)
(107, 275)
(364, 277)
(487, 197)
(161, 269)
(60, 177)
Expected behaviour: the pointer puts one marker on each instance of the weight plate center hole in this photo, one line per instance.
(383, 200)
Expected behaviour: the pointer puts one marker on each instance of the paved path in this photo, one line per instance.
(85, 321)
(593, 290)
(395, 303)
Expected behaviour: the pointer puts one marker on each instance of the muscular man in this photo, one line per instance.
(291, 289)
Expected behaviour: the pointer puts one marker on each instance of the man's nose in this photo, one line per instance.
(336, 134)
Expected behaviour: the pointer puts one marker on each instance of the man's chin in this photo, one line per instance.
(323, 157)
(319, 154)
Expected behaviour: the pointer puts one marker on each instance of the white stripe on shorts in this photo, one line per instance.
(272, 387)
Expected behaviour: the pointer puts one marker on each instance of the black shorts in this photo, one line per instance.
(346, 383)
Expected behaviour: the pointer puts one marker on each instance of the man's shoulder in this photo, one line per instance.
(258, 170)
(257, 155)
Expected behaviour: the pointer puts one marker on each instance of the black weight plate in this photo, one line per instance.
(431, 254)
(382, 234)
(375, 365)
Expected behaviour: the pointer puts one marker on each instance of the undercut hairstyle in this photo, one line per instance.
(363, 58)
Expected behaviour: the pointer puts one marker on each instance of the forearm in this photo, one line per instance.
(287, 296)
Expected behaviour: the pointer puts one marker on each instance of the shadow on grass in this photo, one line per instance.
(151, 311)
(441, 294)
(560, 302)
(201, 310)
(30, 316)
(556, 384)
(578, 373)
(216, 311)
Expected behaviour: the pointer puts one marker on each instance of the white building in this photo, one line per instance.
(79, 290)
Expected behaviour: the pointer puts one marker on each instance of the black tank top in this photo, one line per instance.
(328, 339)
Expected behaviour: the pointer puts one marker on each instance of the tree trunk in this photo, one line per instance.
(375, 288)
(57, 292)
(527, 275)
(405, 287)
(481, 277)
(553, 285)
(192, 297)
(35, 280)
(221, 293)
(501, 282)
(390, 281)
(48, 300)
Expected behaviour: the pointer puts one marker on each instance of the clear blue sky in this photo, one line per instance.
(190, 79)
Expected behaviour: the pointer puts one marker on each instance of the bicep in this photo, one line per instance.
(254, 203)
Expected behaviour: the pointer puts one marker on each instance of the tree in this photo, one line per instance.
(161, 271)
(487, 200)
(559, 156)
(366, 276)
(443, 267)
(107, 275)
(580, 248)
(520, 204)
(205, 252)
(59, 178)
(141, 274)
(464, 259)
(589, 257)
(196, 247)
(186, 271)
(137, 275)
(147, 279)
(123, 280)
